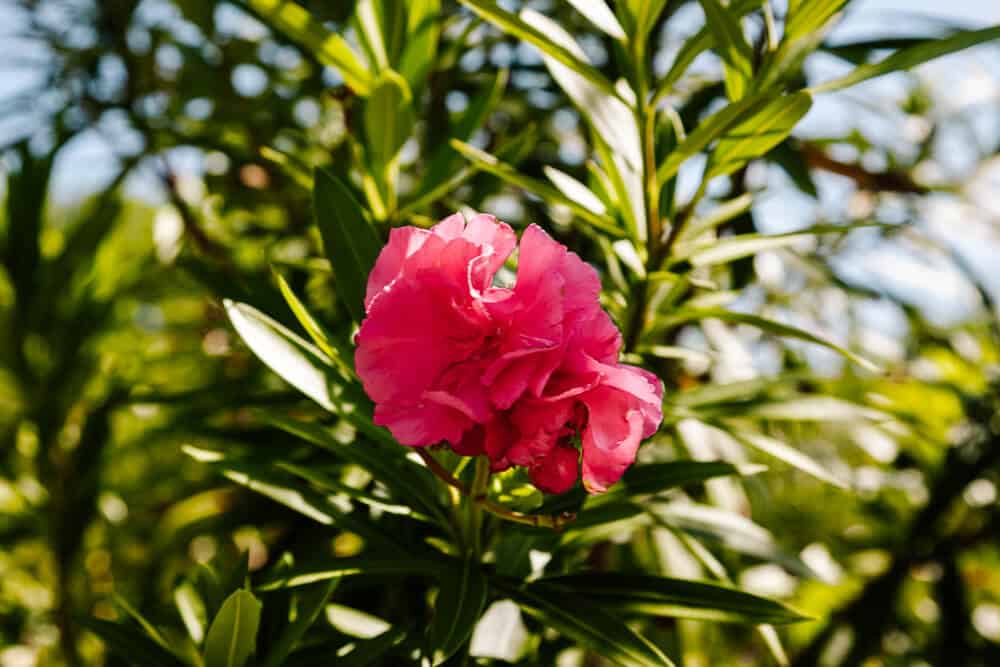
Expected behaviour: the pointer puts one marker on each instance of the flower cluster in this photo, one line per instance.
(527, 375)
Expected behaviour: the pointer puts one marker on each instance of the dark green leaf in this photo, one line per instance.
(663, 596)
(460, 601)
(300, 575)
(309, 605)
(130, 644)
(592, 626)
(350, 242)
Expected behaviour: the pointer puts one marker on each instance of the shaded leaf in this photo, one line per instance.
(130, 644)
(663, 596)
(460, 601)
(350, 241)
(232, 637)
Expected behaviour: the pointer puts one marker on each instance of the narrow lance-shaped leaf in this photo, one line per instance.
(491, 164)
(911, 57)
(309, 573)
(232, 637)
(460, 601)
(598, 13)
(350, 241)
(329, 48)
(731, 45)
(388, 117)
(128, 643)
(744, 434)
(591, 625)
(309, 605)
(765, 324)
(758, 134)
(708, 131)
(367, 652)
(299, 363)
(518, 27)
(663, 596)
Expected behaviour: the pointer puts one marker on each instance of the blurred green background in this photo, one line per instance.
(153, 156)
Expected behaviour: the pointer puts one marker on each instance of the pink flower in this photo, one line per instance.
(526, 375)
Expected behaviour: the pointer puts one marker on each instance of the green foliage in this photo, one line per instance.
(155, 360)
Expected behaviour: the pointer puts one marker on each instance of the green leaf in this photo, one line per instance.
(727, 249)
(232, 637)
(298, 362)
(643, 15)
(591, 625)
(702, 41)
(708, 131)
(601, 16)
(368, 24)
(575, 190)
(730, 530)
(770, 326)
(732, 46)
(808, 17)
(722, 213)
(520, 28)
(909, 58)
(781, 451)
(460, 601)
(611, 118)
(329, 48)
(815, 408)
(663, 596)
(350, 241)
(368, 651)
(423, 31)
(502, 170)
(388, 117)
(387, 462)
(758, 134)
(130, 644)
(316, 331)
(301, 575)
(309, 605)
(192, 610)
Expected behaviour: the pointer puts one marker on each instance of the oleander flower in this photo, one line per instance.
(526, 375)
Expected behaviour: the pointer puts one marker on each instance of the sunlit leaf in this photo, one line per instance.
(909, 58)
(598, 13)
(731, 45)
(758, 134)
(329, 48)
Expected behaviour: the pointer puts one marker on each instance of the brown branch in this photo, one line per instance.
(885, 181)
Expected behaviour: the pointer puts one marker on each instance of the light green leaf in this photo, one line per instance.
(770, 326)
(350, 241)
(369, 32)
(743, 432)
(460, 602)
(575, 190)
(730, 530)
(663, 596)
(702, 41)
(551, 195)
(722, 213)
(232, 637)
(643, 15)
(708, 131)
(758, 134)
(612, 119)
(312, 326)
(815, 408)
(329, 48)
(296, 361)
(591, 625)
(355, 622)
(423, 30)
(388, 117)
(908, 58)
(598, 13)
(811, 16)
(192, 610)
(727, 249)
(522, 29)
(731, 44)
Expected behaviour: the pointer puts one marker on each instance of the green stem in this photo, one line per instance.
(478, 495)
